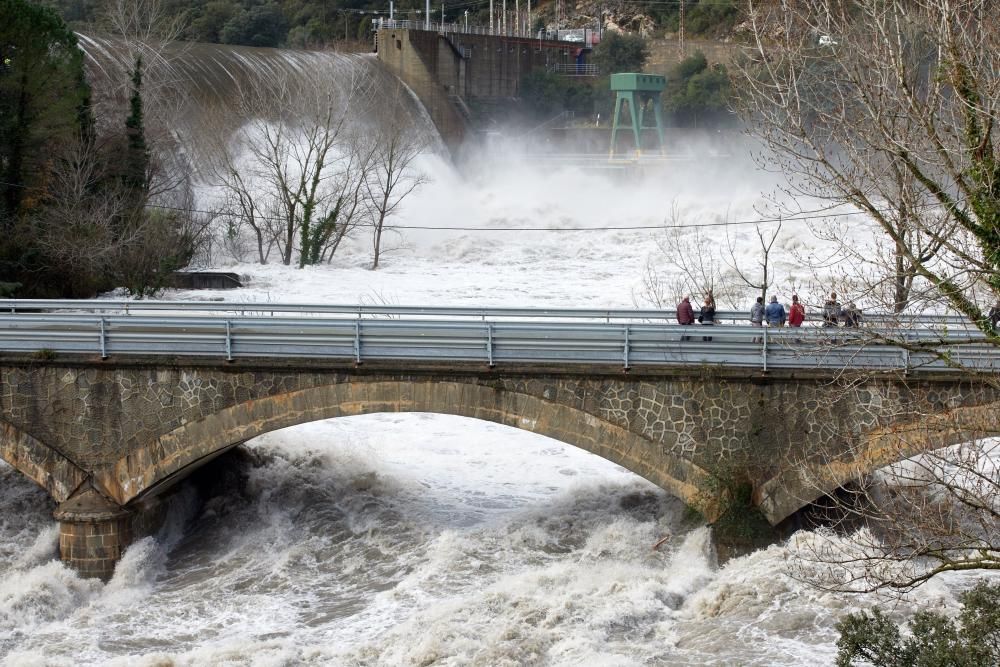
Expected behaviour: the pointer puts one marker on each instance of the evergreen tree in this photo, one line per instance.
(44, 100)
(136, 167)
(972, 640)
(44, 105)
(621, 53)
(697, 93)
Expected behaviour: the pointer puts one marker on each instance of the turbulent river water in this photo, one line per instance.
(396, 540)
(414, 540)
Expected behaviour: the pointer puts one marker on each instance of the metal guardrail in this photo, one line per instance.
(569, 37)
(126, 307)
(574, 69)
(488, 336)
(456, 27)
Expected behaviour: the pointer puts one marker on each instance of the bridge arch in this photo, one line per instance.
(171, 456)
(40, 463)
(797, 486)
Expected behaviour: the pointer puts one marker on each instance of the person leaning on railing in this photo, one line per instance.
(757, 313)
(775, 313)
(852, 315)
(832, 311)
(797, 313)
(685, 314)
(707, 314)
(994, 316)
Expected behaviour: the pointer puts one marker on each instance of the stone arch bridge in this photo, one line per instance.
(106, 437)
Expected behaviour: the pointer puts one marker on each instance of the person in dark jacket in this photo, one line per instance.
(831, 311)
(685, 313)
(707, 315)
(994, 316)
(852, 315)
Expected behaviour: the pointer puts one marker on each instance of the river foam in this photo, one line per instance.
(415, 540)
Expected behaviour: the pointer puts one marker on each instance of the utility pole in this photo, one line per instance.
(390, 10)
(680, 34)
(503, 24)
(427, 15)
(517, 18)
(529, 18)
(491, 17)
(466, 20)
(442, 16)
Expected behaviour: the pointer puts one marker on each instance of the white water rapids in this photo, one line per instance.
(413, 540)
(397, 540)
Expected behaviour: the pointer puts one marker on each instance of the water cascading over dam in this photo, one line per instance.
(199, 96)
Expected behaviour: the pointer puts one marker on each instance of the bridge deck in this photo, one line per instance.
(366, 334)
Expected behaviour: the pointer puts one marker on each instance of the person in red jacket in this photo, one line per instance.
(797, 313)
(685, 313)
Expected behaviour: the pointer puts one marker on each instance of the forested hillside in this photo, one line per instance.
(319, 23)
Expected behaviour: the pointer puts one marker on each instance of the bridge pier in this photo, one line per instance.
(93, 533)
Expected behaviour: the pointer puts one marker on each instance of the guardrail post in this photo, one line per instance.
(489, 343)
(357, 341)
(625, 359)
(229, 341)
(906, 356)
(104, 341)
(764, 348)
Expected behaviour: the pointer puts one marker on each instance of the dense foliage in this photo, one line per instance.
(935, 640)
(291, 23)
(697, 93)
(621, 53)
(712, 18)
(44, 100)
(314, 23)
(547, 94)
(74, 216)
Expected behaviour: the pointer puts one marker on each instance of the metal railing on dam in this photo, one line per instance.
(925, 343)
(569, 36)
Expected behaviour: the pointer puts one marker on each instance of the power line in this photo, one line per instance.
(728, 223)
(816, 215)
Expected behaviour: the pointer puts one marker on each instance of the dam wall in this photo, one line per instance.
(456, 74)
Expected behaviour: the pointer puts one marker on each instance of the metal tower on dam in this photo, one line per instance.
(638, 92)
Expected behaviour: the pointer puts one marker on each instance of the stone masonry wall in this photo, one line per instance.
(98, 416)
(664, 54)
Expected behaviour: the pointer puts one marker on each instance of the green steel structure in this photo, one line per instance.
(639, 90)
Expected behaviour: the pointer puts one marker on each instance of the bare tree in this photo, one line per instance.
(761, 281)
(351, 197)
(241, 209)
(393, 176)
(891, 109)
(146, 26)
(294, 172)
(78, 229)
(93, 229)
(690, 260)
(900, 526)
(146, 32)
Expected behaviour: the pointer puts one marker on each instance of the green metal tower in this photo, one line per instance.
(639, 90)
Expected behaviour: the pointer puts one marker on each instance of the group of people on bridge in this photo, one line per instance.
(774, 313)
